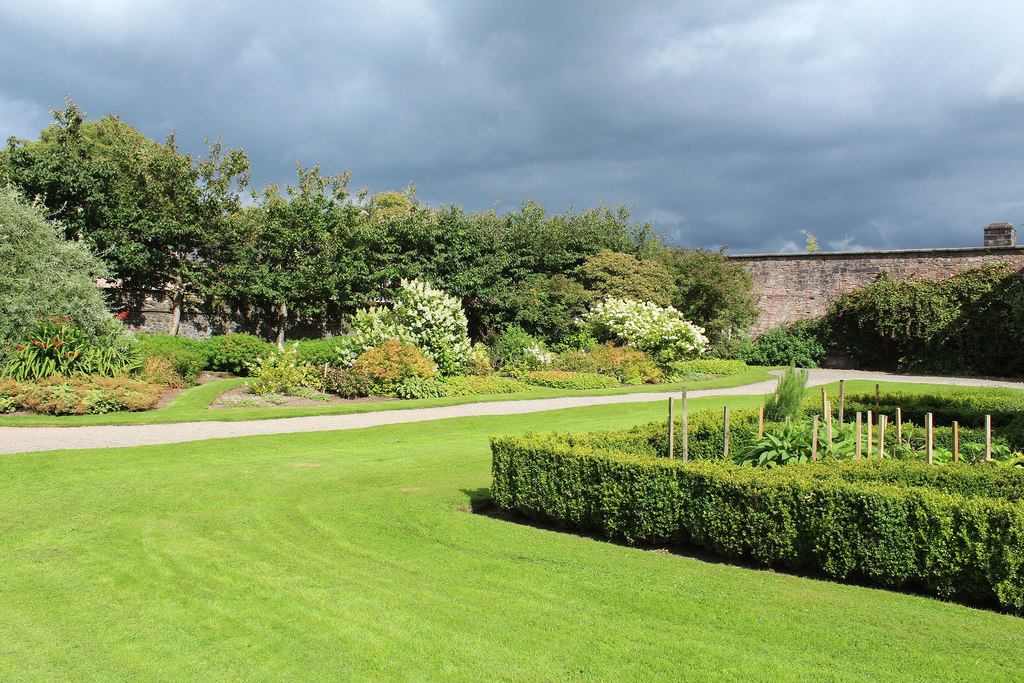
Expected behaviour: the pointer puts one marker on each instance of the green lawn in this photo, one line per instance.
(191, 405)
(344, 555)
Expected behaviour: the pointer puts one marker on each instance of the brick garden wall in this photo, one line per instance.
(802, 285)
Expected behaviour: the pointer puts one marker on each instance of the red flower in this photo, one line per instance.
(122, 315)
(20, 347)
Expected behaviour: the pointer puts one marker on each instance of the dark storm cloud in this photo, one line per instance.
(742, 123)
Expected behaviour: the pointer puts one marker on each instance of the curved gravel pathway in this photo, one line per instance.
(31, 439)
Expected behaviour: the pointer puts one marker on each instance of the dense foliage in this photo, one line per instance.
(43, 275)
(309, 254)
(794, 344)
(970, 323)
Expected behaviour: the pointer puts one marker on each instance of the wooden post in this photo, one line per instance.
(956, 441)
(870, 435)
(988, 437)
(828, 422)
(725, 446)
(899, 425)
(824, 400)
(877, 399)
(928, 438)
(685, 428)
(857, 456)
(760, 421)
(842, 401)
(671, 429)
(882, 419)
(814, 439)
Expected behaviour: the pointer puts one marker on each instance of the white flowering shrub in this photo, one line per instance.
(660, 331)
(422, 316)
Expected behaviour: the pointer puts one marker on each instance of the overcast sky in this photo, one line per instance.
(875, 124)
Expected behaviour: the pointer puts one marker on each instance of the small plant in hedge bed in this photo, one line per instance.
(560, 379)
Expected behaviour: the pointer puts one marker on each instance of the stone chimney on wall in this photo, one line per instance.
(1000, 235)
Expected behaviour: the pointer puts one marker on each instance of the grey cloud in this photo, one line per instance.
(741, 123)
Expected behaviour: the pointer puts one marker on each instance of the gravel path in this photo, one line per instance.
(30, 439)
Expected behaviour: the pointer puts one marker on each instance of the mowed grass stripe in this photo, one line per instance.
(341, 555)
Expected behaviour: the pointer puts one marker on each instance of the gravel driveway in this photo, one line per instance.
(30, 439)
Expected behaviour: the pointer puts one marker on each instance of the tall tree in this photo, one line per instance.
(148, 210)
(286, 251)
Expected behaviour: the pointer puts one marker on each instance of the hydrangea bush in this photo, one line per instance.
(422, 316)
(660, 331)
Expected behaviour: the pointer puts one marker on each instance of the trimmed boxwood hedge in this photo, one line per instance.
(954, 531)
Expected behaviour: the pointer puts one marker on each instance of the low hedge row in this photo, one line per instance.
(563, 379)
(849, 522)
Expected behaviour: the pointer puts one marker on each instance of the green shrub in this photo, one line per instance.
(421, 387)
(43, 275)
(628, 365)
(516, 347)
(282, 373)
(475, 385)
(479, 361)
(81, 395)
(795, 344)
(235, 352)
(391, 364)
(575, 360)
(348, 383)
(559, 379)
(708, 366)
(322, 352)
(188, 357)
(807, 518)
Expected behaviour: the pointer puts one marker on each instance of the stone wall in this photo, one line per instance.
(802, 285)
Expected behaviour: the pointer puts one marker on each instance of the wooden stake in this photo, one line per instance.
(956, 441)
(828, 422)
(685, 427)
(814, 439)
(671, 429)
(928, 438)
(877, 399)
(760, 421)
(726, 441)
(870, 435)
(882, 419)
(842, 401)
(824, 400)
(899, 425)
(857, 456)
(988, 437)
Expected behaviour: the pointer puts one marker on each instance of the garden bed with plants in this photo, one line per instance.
(416, 349)
(953, 529)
